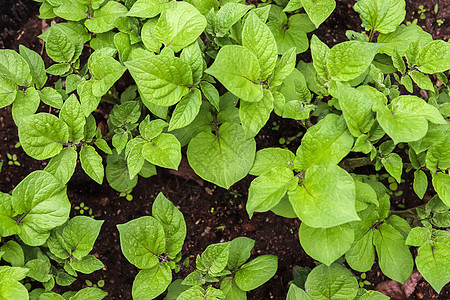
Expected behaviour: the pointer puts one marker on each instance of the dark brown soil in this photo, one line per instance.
(212, 214)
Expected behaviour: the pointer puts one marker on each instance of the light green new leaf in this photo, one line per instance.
(150, 283)
(326, 244)
(147, 8)
(36, 66)
(433, 263)
(227, 16)
(393, 165)
(173, 223)
(237, 68)
(394, 257)
(258, 38)
(240, 251)
(91, 293)
(293, 5)
(327, 141)
(10, 289)
(89, 102)
(420, 183)
(441, 183)
(70, 10)
(161, 79)
(333, 282)
(43, 203)
(230, 289)
(422, 80)
(418, 236)
(254, 115)
(399, 40)
(413, 105)
(179, 25)
(163, 151)
(142, 240)
(186, 110)
(382, 16)
(214, 259)
(62, 166)
(327, 202)
(211, 93)
(26, 104)
(87, 264)
(106, 18)
(284, 68)
(13, 253)
(51, 97)
(42, 135)
(296, 293)
(319, 53)
(438, 155)
(269, 158)
(256, 272)
(434, 57)
(59, 46)
(148, 36)
(348, 60)
(319, 11)
(8, 224)
(8, 91)
(151, 129)
(192, 55)
(224, 158)
(14, 67)
(91, 162)
(80, 234)
(135, 159)
(267, 190)
(72, 114)
(361, 255)
(117, 173)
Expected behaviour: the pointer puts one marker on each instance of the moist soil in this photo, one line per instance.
(212, 214)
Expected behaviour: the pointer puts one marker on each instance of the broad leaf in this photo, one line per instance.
(382, 16)
(256, 272)
(91, 162)
(433, 263)
(150, 283)
(36, 64)
(163, 151)
(318, 11)
(214, 259)
(14, 67)
(72, 114)
(80, 234)
(147, 8)
(62, 166)
(269, 158)
(186, 110)
(434, 57)
(254, 115)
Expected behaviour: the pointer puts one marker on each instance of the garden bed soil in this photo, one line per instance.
(212, 214)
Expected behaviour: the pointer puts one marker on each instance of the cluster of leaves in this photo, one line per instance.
(37, 212)
(208, 76)
(154, 244)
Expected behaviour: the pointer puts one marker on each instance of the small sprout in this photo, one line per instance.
(363, 276)
(436, 9)
(17, 145)
(101, 283)
(393, 186)
(398, 193)
(221, 227)
(281, 141)
(439, 22)
(186, 262)
(212, 210)
(366, 282)
(129, 197)
(89, 283)
(391, 179)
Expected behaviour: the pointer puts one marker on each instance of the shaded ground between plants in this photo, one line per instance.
(212, 214)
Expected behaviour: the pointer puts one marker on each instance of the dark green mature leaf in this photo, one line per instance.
(42, 202)
(256, 272)
(326, 244)
(237, 68)
(327, 202)
(173, 223)
(162, 80)
(150, 283)
(224, 158)
(382, 16)
(42, 135)
(179, 25)
(333, 282)
(327, 141)
(142, 240)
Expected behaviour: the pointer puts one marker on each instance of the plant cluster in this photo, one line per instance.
(208, 74)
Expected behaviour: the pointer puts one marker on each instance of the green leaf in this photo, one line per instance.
(163, 151)
(422, 80)
(42, 135)
(267, 190)
(125, 113)
(42, 202)
(192, 55)
(418, 236)
(186, 110)
(258, 38)
(87, 264)
(70, 10)
(151, 129)
(348, 60)
(147, 8)
(227, 16)
(432, 262)
(89, 102)
(8, 224)
(39, 269)
(13, 253)
(62, 166)
(59, 46)
(269, 158)
(103, 145)
(240, 251)
(296, 293)
(254, 115)
(14, 67)
(135, 159)
(326, 244)
(318, 11)
(162, 80)
(72, 114)
(382, 16)
(142, 240)
(51, 97)
(173, 223)
(12, 273)
(214, 259)
(333, 282)
(319, 53)
(36, 66)
(283, 68)
(222, 159)
(393, 165)
(441, 183)
(198, 293)
(404, 36)
(106, 18)
(293, 5)
(420, 183)
(118, 174)
(179, 25)
(327, 202)
(148, 36)
(394, 257)
(204, 6)
(150, 283)
(8, 91)
(91, 162)
(438, 155)
(365, 195)
(211, 93)
(434, 57)
(25, 105)
(10, 289)
(91, 293)
(327, 141)
(256, 272)
(230, 289)
(361, 254)
(237, 68)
